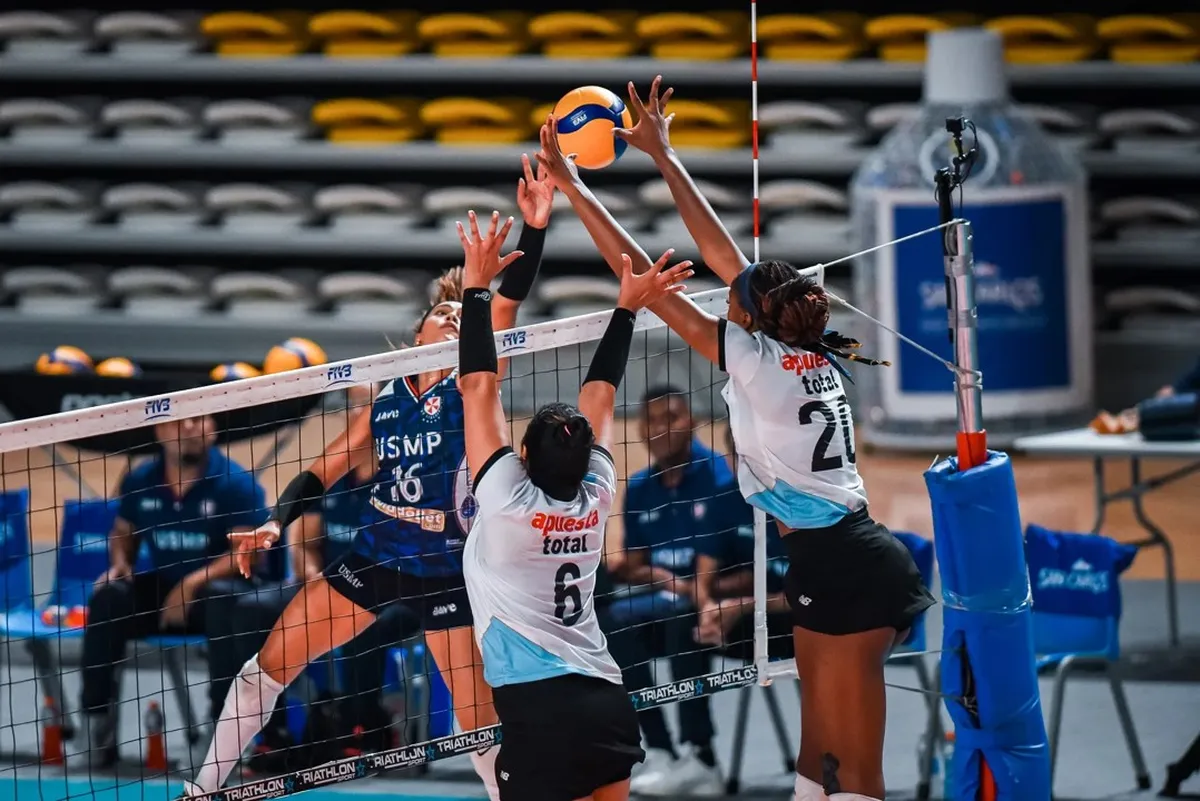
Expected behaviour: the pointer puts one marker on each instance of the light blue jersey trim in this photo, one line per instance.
(509, 658)
(796, 509)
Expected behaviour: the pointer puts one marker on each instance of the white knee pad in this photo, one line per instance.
(808, 790)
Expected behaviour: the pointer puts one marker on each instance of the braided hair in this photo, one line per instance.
(793, 308)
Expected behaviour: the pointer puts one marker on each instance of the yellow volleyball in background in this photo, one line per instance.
(233, 371)
(64, 360)
(586, 117)
(118, 367)
(297, 352)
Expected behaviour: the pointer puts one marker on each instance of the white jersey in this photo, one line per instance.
(530, 565)
(792, 429)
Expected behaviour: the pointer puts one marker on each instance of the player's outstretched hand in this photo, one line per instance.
(651, 134)
(535, 194)
(559, 166)
(646, 289)
(482, 261)
(246, 545)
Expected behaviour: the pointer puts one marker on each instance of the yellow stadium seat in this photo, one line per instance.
(901, 37)
(467, 35)
(1152, 38)
(246, 34)
(579, 34)
(811, 37)
(359, 121)
(1052, 39)
(696, 37)
(471, 121)
(720, 125)
(364, 34)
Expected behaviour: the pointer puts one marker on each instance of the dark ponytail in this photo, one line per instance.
(791, 307)
(558, 448)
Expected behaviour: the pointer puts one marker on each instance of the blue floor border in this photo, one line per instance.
(61, 788)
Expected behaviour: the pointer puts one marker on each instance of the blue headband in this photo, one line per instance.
(745, 296)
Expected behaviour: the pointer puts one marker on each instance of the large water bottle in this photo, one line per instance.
(1026, 198)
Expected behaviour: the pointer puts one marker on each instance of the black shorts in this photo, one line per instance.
(564, 738)
(851, 577)
(440, 602)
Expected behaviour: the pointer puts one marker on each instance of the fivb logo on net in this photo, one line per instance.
(1082, 577)
(157, 409)
(339, 375)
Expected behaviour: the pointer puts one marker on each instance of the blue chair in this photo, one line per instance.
(1075, 580)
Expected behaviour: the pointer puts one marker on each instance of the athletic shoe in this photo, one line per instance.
(102, 741)
(686, 776)
(649, 773)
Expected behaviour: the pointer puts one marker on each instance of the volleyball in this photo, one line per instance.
(118, 367)
(233, 371)
(586, 118)
(64, 360)
(297, 352)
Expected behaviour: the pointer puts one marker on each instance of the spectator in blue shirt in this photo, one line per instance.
(181, 504)
(727, 619)
(315, 541)
(671, 516)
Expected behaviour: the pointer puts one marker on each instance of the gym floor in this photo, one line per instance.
(1093, 762)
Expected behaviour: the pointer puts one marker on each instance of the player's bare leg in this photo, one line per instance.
(315, 622)
(461, 665)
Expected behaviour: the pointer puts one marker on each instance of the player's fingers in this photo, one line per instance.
(462, 235)
(635, 100)
(622, 133)
(678, 272)
(663, 259)
(527, 168)
(626, 265)
(474, 222)
(541, 172)
(504, 229)
(510, 258)
(522, 188)
(654, 106)
(666, 97)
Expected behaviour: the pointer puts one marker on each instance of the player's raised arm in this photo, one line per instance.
(478, 368)
(651, 135)
(535, 197)
(597, 396)
(698, 328)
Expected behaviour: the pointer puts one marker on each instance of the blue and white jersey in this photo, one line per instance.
(420, 508)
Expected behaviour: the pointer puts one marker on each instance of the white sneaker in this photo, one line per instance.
(658, 764)
(685, 776)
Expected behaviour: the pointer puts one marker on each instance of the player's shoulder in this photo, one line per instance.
(144, 475)
(229, 472)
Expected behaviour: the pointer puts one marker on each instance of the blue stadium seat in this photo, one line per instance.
(1076, 587)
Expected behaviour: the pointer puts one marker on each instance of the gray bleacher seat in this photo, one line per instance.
(50, 290)
(144, 34)
(1151, 131)
(256, 208)
(570, 295)
(260, 295)
(149, 122)
(370, 296)
(42, 34)
(151, 207)
(812, 127)
(1152, 218)
(624, 208)
(1151, 301)
(451, 204)
(1071, 125)
(159, 292)
(736, 209)
(43, 205)
(881, 119)
(254, 122)
(808, 211)
(366, 209)
(41, 120)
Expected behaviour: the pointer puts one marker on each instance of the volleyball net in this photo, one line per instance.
(111, 670)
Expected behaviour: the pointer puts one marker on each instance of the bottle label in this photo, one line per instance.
(1032, 295)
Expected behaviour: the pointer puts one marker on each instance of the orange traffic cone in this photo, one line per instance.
(52, 734)
(156, 750)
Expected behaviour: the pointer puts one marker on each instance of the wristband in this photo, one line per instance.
(476, 342)
(608, 362)
(300, 495)
(519, 277)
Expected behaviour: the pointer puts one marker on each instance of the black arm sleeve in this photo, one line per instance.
(476, 341)
(608, 362)
(300, 495)
(519, 277)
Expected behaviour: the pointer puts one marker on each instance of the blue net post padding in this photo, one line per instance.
(989, 674)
